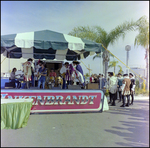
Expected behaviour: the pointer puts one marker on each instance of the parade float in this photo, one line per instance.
(55, 47)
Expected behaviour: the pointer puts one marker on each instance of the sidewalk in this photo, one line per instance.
(141, 97)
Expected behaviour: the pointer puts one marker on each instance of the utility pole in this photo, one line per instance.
(127, 48)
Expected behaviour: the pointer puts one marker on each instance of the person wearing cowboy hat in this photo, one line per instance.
(132, 87)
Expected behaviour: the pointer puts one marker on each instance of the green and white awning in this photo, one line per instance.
(47, 44)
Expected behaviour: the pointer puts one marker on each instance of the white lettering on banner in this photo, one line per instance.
(76, 100)
(68, 99)
(10, 97)
(84, 99)
(55, 100)
(49, 100)
(92, 99)
(59, 98)
(3, 96)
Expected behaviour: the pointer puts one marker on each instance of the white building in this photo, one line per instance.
(139, 71)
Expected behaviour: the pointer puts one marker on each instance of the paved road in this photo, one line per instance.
(117, 127)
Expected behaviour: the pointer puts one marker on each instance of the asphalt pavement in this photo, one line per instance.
(116, 127)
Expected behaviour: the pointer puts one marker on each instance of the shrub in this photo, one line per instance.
(139, 91)
(137, 83)
(107, 93)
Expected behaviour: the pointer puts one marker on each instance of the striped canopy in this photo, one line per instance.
(47, 44)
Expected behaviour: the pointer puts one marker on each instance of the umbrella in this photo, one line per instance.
(47, 44)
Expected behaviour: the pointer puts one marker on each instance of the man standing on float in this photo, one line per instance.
(79, 68)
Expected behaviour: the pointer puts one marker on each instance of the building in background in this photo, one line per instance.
(139, 71)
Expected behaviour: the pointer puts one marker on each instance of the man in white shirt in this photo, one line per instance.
(112, 87)
(63, 73)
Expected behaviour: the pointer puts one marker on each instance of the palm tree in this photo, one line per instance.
(120, 69)
(99, 35)
(142, 39)
(113, 64)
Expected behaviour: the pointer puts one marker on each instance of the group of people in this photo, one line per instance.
(68, 72)
(28, 74)
(99, 79)
(124, 85)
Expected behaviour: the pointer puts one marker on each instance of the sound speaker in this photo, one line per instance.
(10, 85)
(92, 86)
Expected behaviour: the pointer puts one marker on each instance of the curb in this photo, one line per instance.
(137, 98)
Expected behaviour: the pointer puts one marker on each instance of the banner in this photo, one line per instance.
(59, 100)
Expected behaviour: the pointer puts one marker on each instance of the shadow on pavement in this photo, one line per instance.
(129, 132)
(136, 128)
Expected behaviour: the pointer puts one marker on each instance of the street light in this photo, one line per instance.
(127, 48)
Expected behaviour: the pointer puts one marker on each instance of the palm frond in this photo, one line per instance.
(120, 31)
(143, 37)
(97, 56)
(84, 32)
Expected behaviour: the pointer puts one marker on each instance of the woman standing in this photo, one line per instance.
(27, 71)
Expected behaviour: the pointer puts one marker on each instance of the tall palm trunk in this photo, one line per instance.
(106, 69)
(106, 58)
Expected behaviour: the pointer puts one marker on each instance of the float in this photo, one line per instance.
(52, 46)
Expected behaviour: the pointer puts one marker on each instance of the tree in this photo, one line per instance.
(99, 35)
(142, 39)
(120, 69)
(113, 64)
(87, 75)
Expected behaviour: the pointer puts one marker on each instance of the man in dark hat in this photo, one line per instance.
(78, 67)
(63, 73)
(125, 90)
(132, 87)
(112, 87)
(42, 73)
(120, 79)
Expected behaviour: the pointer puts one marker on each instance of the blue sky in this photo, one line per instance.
(63, 16)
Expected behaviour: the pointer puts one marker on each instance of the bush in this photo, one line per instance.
(107, 93)
(139, 91)
(137, 83)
